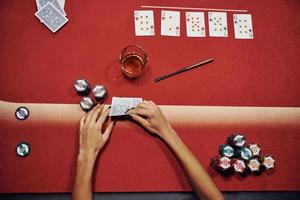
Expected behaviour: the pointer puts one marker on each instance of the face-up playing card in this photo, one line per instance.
(243, 26)
(51, 17)
(119, 106)
(55, 3)
(144, 23)
(195, 24)
(170, 23)
(217, 22)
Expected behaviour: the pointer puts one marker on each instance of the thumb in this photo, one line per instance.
(108, 131)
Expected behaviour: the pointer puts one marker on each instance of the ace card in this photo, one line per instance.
(217, 22)
(144, 23)
(195, 24)
(170, 23)
(243, 26)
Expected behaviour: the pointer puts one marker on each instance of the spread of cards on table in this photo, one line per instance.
(195, 24)
(51, 13)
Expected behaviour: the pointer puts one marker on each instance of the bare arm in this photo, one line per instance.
(91, 141)
(150, 116)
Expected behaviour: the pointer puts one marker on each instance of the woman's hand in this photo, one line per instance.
(92, 136)
(149, 115)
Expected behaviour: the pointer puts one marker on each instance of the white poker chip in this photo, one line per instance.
(82, 86)
(22, 113)
(23, 149)
(86, 103)
(99, 91)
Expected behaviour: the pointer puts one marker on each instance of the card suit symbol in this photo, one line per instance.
(198, 30)
(193, 30)
(137, 18)
(151, 26)
(197, 18)
(193, 26)
(240, 20)
(192, 18)
(210, 19)
(142, 22)
(170, 17)
(241, 31)
(147, 22)
(146, 16)
(188, 19)
(177, 28)
(147, 28)
(170, 29)
(141, 16)
(225, 28)
(235, 22)
(163, 18)
(250, 30)
(142, 28)
(245, 26)
(202, 28)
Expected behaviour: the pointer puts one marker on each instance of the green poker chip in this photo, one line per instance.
(246, 153)
(226, 150)
(23, 149)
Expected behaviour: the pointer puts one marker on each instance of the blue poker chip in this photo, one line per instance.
(23, 149)
(22, 113)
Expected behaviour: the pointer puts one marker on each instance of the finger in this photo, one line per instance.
(140, 120)
(102, 118)
(108, 131)
(139, 111)
(90, 113)
(95, 115)
(152, 103)
(146, 102)
(143, 105)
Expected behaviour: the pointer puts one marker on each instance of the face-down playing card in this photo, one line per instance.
(170, 23)
(144, 23)
(243, 26)
(51, 17)
(195, 24)
(217, 22)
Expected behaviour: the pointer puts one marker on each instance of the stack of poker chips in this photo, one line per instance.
(237, 157)
(83, 88)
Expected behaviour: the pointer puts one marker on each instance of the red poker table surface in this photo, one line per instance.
(38, 66)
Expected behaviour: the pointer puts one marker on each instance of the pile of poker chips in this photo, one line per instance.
(83, 88)
(238, 158)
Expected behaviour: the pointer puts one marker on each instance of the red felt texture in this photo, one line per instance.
(39, 66)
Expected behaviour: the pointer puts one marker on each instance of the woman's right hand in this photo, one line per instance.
(149, 115)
